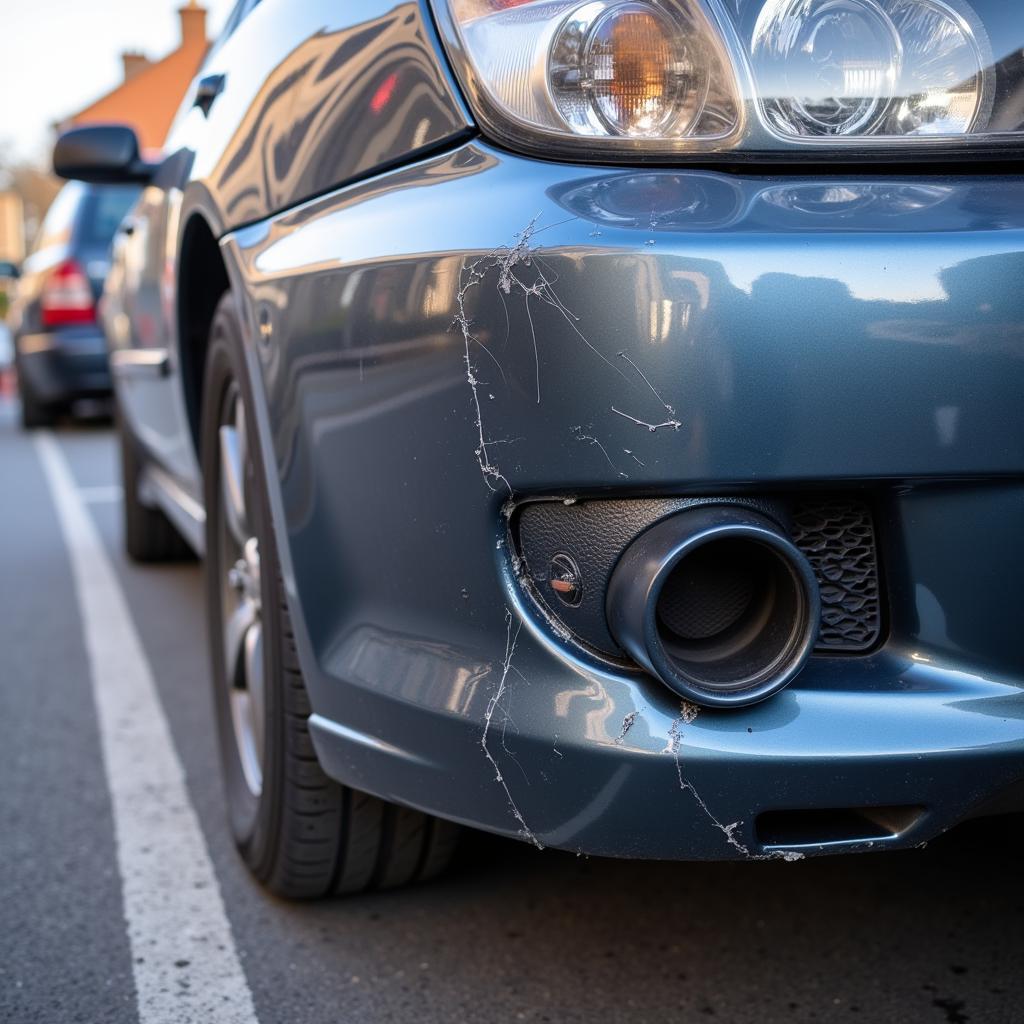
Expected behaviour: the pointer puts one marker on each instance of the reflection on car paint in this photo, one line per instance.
(341, 103)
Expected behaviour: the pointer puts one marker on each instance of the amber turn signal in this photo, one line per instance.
(633, 66)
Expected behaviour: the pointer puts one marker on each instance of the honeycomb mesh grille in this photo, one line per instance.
(838, 538)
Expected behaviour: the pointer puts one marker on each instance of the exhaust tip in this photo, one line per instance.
(717, 603)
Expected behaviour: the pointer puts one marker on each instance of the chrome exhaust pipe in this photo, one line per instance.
(716, 602)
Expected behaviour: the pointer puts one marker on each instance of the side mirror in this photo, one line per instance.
(105, 154)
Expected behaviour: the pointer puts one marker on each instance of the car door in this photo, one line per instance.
(139, 318)
(141, 314)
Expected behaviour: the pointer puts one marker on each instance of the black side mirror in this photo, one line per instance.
(104, 154)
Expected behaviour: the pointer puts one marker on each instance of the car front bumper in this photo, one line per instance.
(62, 365)
(451, 338)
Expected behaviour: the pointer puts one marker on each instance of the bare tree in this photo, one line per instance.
(36, 185)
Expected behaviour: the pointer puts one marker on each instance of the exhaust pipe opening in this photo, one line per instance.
(718, 603)
(727, 612)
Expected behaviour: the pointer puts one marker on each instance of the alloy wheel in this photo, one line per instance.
(241, 600)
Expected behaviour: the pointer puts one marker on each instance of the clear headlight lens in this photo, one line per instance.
(826, 67)
(753, 76)
(866, 68)
(944, 70)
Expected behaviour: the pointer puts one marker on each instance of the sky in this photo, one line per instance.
(57, 56)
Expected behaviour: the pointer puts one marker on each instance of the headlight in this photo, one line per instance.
(753, 78)
(631, 72)
(826, 67)
(637, 71)
(865, 68)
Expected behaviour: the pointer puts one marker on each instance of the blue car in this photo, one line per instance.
(601, 422)
(59, 346)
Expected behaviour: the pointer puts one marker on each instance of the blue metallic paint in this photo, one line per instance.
(315, 94)
(857, 331)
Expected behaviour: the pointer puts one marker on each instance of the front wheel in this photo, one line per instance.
(301, 833)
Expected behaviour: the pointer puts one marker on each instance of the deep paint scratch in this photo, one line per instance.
(627, 724)
(668, 408)
(510, 647)
(687, 715)
(506, 260)
(652, 427)
(590, 439)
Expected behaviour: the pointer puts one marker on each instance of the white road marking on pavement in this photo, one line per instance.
(184, 959)
(101, 495)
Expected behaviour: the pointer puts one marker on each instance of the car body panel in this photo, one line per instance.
(757, 314)
(438, 330)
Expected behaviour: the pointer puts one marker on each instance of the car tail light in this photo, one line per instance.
(67, 297)
(671, 78)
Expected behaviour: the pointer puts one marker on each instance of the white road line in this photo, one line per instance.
(184, 959)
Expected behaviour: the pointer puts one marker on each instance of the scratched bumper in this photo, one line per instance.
(780, 333)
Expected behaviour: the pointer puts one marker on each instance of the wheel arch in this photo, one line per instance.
(202, 280)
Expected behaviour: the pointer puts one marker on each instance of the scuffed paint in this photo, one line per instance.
(627, 724)
(512, 639)
(505, 263)
(687, 716)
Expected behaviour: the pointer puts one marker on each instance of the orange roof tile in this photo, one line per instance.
(149, 99)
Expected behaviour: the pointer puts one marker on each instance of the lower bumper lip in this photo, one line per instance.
(939, 749)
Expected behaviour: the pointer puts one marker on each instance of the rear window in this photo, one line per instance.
(56, 229)
(102, 211)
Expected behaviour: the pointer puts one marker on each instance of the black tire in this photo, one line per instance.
(149, 535)
(34, 414)
(302, 834)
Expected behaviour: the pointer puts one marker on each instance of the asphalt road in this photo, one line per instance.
(510, 934)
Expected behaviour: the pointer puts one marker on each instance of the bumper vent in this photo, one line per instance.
(838, 539)
(835, 532)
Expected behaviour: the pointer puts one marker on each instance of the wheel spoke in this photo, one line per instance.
(242, 430)
(232, 482)
(254, 683)
(239, 624)
(239, 561)
(241, 720)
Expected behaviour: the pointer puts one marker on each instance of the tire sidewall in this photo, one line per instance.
(255, 821)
